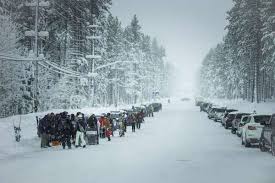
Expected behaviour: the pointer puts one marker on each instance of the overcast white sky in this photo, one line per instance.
(186, 28)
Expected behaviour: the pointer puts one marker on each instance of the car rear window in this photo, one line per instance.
(220, 110)
(231, 116)
(262, 119)
(115, 115)
(239, 116)
(245, 119)
(231, 110)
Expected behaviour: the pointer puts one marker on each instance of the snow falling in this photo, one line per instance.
(142, 91)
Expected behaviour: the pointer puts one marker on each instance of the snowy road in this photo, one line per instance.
(179, 145)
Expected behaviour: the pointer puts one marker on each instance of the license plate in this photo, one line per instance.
(91, 132)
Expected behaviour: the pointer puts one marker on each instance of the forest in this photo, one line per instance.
(63, 54)
(242, 66)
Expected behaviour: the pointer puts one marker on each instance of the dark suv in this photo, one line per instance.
(228, 120)
(267, 140)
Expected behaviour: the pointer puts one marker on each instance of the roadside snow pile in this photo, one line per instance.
(244, 106)
(30, 141)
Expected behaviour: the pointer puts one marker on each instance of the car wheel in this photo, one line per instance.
(262, 145)
(238, 134)
(233, 131)
(273, 147)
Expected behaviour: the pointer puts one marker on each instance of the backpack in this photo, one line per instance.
(81, 128)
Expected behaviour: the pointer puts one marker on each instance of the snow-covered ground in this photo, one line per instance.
(178, 145)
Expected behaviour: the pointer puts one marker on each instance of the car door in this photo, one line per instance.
(242, 123)
(249, 119)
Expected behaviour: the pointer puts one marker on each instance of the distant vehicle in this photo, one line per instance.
(267, 140)
(252, 130)
(236, 121)
(156, 106)
(198, 103)
(210, 107)
(240, 126)
(114, 115)
(212, 112)
(219, 113)
(185, 99)
(205, 106)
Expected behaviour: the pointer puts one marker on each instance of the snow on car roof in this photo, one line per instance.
(261, 114)
(235, 112)
(241, 112)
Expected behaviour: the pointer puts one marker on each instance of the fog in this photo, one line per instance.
(187, 29)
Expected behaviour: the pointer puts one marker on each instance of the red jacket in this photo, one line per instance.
(102, 121)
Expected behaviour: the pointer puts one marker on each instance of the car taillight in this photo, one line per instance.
(251, 128)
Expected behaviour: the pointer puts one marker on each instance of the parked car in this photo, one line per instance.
(205, 106)
(236, 121)
(219, 113)
(227, 123)
(211, 113)
(198, 102)
(210, 107)
(145, 110)
(243, 121)
(156, 106)
(115, 117)
(185, 99)
(228, 111)
(267, 140)
(252, 130)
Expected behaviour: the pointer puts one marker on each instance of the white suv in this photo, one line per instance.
(241, 125)
(253, 128)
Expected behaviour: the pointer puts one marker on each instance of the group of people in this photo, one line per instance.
(135, 120)
(68, 130)
(63, 128)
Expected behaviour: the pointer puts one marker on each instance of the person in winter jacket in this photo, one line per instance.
(44, 131)
(111, 123)
(125, 121)
(131, 121)
(102, 122)
(66, 135)
(108, 127)
(121, 126)
(81, 129)
(151, 111)
(92, 122)
(73, 127)
(140, 118)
